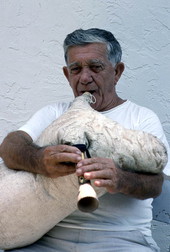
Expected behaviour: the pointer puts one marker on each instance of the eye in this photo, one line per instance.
(75, 69)
(96, 68)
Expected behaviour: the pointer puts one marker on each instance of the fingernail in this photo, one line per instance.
(78, 152)
(79, 171)
(79, 164)
(86, 175)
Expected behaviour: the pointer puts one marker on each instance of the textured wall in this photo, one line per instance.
(31, 56)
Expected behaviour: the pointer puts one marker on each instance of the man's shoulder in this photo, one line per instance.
(57, 107)
(131, 115)
(134, 107)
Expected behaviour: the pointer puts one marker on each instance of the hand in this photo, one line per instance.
(102, 170)
(56, 161)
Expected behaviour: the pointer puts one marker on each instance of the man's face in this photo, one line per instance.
(89, 70)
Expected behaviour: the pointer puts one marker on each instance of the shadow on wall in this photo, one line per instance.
(161, 204)
(161, 216)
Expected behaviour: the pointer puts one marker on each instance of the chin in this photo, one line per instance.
(95, 107)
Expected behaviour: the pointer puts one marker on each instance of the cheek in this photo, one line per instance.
(72, 82)
(74, 79)
(74, 85)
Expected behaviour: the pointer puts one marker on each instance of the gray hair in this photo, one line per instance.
(82, 37)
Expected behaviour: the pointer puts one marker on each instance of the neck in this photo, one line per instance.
(116, 101)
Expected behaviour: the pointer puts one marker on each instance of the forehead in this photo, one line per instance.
(87, 53)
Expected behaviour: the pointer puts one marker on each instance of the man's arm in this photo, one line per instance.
(19, 152)
(106, 174)
(138, 185)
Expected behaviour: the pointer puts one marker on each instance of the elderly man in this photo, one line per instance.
(123, 220)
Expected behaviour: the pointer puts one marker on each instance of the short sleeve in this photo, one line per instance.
(43, 118)
(150, 123)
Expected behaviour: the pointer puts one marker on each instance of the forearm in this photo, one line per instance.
(11, 150)
(141, 186)
(20, 153)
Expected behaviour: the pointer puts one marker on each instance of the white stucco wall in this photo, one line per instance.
(31, 55)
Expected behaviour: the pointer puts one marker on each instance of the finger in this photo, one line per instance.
(100, 174)
(87, 161)
(66, 158)
(87, 169)
(103, 183)
(100, 162)
(107, 184)
(69, 149)
(92, 164)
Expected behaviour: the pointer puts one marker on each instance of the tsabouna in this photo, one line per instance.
(30, 205)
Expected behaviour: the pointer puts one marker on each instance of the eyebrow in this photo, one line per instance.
(92, 61)
(74, 64)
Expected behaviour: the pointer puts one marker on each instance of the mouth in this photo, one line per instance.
(89, 91)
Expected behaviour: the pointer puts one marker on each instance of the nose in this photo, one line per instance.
(86, 76)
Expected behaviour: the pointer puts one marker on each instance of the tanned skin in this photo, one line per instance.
(52, 161)
(88, 69)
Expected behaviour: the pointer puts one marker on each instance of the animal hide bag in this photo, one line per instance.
(30, 205)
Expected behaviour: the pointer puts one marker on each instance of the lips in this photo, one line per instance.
(90, 91)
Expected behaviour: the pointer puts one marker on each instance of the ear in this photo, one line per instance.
(66, 72)
(119, 68)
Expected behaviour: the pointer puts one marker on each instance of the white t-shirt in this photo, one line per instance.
(116, 212)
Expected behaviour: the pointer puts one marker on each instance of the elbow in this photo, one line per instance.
(159, 184)
(154, 189)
